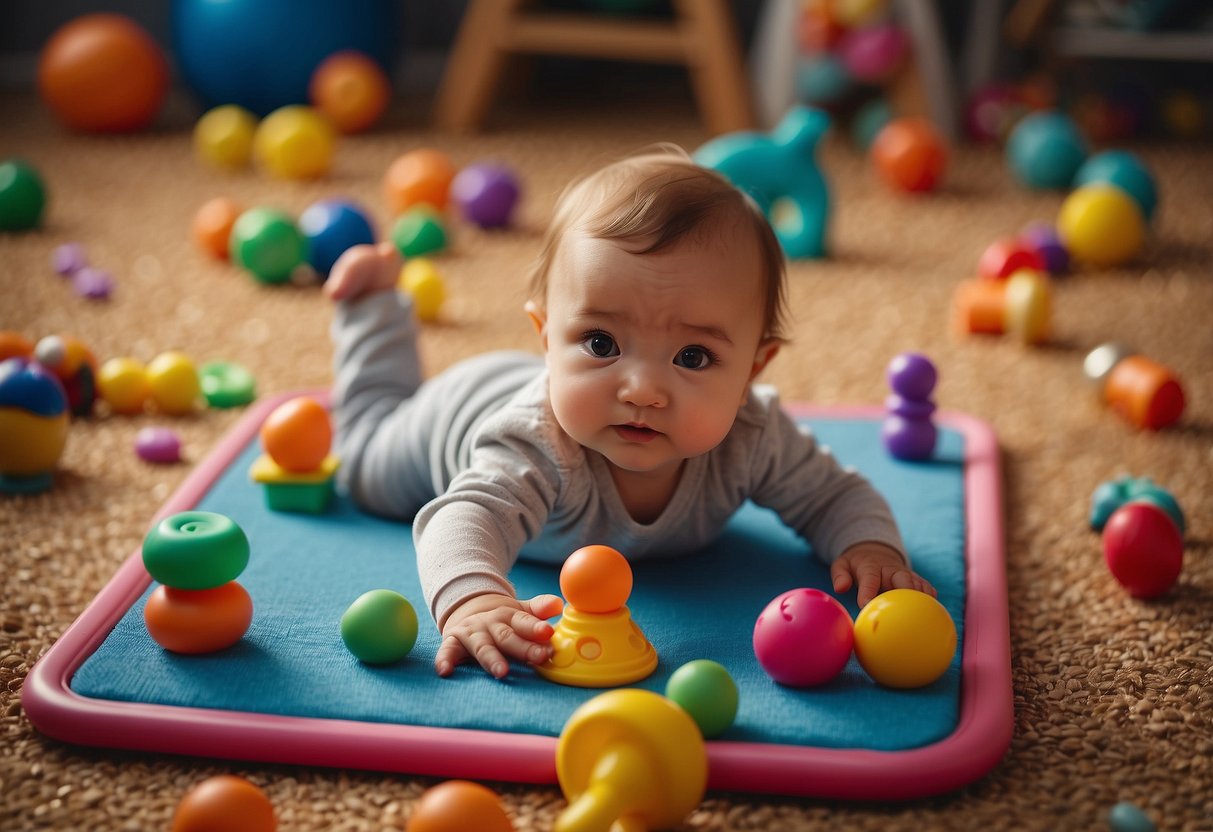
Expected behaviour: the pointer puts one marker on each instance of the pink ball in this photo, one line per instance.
(803, 638)
(1143, 549)
(873, 53)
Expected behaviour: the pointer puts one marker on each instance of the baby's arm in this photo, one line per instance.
(494, 628)
(874, 568)
(363, 270)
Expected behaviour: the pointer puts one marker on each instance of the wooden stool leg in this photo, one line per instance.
(714, 60)
(474, 65)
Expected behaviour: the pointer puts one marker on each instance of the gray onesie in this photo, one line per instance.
(475, 458)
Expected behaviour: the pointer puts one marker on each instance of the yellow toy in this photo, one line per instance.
(904, 638)
(295, 142)
(419, 277)
(173, 382)
(629, 760)
(297, 469)
(123, 383)
(223, 137)
(1101, 225)
(596, 644)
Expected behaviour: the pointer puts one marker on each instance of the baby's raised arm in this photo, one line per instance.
(362, 270)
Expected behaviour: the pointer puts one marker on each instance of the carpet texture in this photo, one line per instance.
(1113, 697)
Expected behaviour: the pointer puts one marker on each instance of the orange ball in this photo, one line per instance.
(351, 90)
(15, 345)
(226, 802)
(419, 176)
(212, 226)
(198, 620)
(103, 73)
(298, 434)
(910, 155)
(459, 806)
(596, 579)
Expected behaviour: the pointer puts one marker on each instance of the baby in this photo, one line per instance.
(658, 299)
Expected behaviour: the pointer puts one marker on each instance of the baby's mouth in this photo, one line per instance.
(636, 433)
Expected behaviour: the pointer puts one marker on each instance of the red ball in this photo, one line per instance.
(910, 155)
(803, 638)
(1143, 549)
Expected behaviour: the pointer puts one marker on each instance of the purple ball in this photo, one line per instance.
(486, 194)
(910, 439)
(159, 445)
(94, 284)
(68, 259)
(873, 53)
(1044, 240)
(911, 375)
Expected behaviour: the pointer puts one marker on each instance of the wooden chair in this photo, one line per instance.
(700, 35)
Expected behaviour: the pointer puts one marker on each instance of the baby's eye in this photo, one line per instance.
(600, 344)
(695, 358)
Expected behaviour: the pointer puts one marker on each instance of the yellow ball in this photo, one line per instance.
(1028, 306)
(904, 638)
(124, 384)
(174, 383)
(1101, 225)
(223, 136)
(295, 142)
(419, 277)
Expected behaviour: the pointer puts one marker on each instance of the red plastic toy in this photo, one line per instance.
(1004, 257)
(910, 155)
(1143, 549)
(803, 638)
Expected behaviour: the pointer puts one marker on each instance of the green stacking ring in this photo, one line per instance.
(227, 384)
(195, 550)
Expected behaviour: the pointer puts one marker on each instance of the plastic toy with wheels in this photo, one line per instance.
(781, 173)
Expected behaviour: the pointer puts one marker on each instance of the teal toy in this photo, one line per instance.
(1111, 495)
(22, 196)
(419, 231)
(267, 244)
(1045, 150)
(781, 173)
(1124, 170)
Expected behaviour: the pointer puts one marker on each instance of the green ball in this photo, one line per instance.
(419, 231)
(707, 692)
(195, 550)
(22, 196)
(268, 244)
(225, 384)
(380, 627)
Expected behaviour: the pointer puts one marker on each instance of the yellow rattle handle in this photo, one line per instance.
(621, 779)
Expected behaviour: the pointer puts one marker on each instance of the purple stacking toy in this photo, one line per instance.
(908, 431)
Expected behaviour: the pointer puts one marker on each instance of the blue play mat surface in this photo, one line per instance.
(305, 571)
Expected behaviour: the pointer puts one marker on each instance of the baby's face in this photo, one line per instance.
(651, 356)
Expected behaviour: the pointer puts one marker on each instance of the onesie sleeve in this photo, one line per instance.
(832, 507)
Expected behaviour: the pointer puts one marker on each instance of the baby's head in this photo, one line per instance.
(656, 202)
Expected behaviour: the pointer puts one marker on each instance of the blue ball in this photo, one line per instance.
(1126, 171)
(260, 54)
(1045, 150)
(331, 226)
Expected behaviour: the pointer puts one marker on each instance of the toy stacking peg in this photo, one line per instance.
(1019, 306)
(596, 643)
(297, 469)
(908, 431)
(1144, 392)
(629, 760)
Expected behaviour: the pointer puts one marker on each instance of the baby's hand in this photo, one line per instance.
(490, 628)
(875, 568)
(363, 269)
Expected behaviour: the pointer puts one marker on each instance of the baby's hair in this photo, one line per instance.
(654, 200)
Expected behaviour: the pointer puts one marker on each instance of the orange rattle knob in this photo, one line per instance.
(596, 579)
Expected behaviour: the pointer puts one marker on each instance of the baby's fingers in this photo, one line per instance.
(450, 653)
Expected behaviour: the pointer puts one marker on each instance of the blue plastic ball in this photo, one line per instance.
(1045, 150)
(331, 226)
(1126, 171)
(260, 54)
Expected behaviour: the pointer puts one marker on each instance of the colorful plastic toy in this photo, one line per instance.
(73, 363)
(1043, 239)
(225, 802)
(350, 90)
(421, 176)
(1045, 150)
(15, 345)
(68, 259)
(103, 73)
(803, 638)
(486, 194)
(910, 155)
(1020, 306)
(458, 806)
(309, 492)
(33, 425)
(380, 627)
(822, 79)
(419, 230)
(706, 691)
(873, 54)
(195, 550)
(1113, 494)
(1128, 817)
(267, 244)
(94, 284)
(173, 383)
(1126, 171)
(199, 620)
(852, 13)
(330, 227)
(420, 278)
(158, 445)
(596, 643)
(1008, 255)
(226, 384)
(631, 758)
(212, 226)
(122, 383)
(777, 170)
(295, 142)
(904, 638)
(223, 136)
(1145, 393)
(22, 196)
(908, 431)
(297, 470)
(1101, 225)
(1143, 549)
(868, 121)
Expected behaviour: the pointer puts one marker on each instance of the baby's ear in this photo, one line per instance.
(766, 351)
(539, 319)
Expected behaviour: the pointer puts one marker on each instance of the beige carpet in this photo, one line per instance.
(1113, 697)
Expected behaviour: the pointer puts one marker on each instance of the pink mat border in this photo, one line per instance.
(981, 737)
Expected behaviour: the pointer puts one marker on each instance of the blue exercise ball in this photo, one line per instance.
(331, 226)
(1126, 171)
(1045, 150)
(260, 54)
